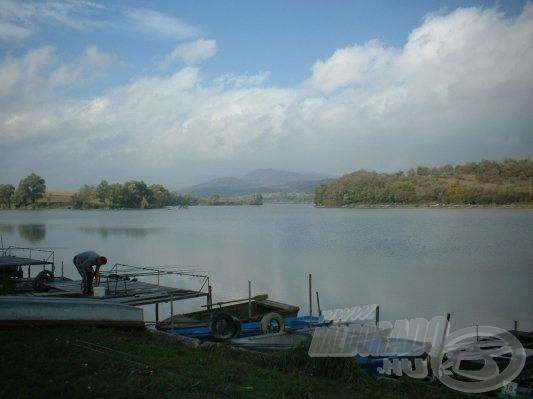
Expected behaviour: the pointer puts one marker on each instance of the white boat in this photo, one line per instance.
(18, 310)
(274, 342)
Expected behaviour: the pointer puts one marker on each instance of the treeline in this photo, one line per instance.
(474, 183)
(31, 193)
(28, 192)
(137, 195)
(132, 195)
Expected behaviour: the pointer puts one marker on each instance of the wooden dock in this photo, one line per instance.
(124, 291)
(122, 283)
(11, 269)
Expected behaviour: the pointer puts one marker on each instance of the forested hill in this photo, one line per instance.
(482, 183)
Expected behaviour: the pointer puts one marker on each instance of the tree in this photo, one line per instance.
(83, 199)
(160, 196)
(135, 194)
(29, 190)
(256, 199)
(7, 191)
(116, 195)
(103, 191)
(214, 199)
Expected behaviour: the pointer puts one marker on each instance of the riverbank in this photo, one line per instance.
(105, 363)
(433, 206)
(63, 200)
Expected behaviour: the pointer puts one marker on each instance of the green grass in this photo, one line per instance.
(75, 362)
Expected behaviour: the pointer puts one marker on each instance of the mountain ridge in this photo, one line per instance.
(260, 181)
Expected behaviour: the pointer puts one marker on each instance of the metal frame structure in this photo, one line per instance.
(20, 256)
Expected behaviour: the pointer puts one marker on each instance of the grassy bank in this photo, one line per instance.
(73, 362)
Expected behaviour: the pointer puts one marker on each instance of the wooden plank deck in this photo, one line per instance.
(122, 284)
(127, 292)
(16, 261)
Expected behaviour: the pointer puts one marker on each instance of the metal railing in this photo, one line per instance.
(45, 256)
(123, 271)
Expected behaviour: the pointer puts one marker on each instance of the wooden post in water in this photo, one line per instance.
(310, 301)
(441, 348)
(249, 301)
(171, 311)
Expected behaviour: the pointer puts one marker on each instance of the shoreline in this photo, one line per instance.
(430, 206)
(359, 206)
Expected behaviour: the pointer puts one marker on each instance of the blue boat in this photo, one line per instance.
(222, 329)
(394, 356)
(252, 309)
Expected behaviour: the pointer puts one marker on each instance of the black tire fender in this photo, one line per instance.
(272, 322)
(39, 282)
(222, 327)
(238, 327)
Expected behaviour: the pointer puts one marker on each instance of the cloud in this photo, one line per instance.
(363, 66)
(91, 65)
(20, 20)
(35, 75)
(238, 81)
(459, 90)
(156, 23)
(192, 52)
(22, 77)
(10, 31)
(12, 16)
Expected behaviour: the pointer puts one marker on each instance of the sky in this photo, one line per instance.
(180, 92)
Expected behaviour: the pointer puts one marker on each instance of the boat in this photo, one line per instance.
(386, 357)
(246, 310)
(224, 327)
(469, 360)
(377, 350)
(20, 310)
(281, 341)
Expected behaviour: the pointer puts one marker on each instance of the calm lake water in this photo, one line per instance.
(476, 264)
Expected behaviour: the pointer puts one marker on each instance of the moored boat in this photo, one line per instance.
(224, 327)
(245, 310)
(17, 311)
(281, 341)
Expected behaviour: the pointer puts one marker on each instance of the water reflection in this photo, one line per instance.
(7, 229)
(32, 232)
(129, 232)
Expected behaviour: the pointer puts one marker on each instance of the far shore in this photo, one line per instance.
(60, 199)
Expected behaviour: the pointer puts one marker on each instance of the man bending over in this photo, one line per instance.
(84, 262)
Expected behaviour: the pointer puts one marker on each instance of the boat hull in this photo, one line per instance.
(274, 342)
(256, 308)
(17, 311)
(248, 329)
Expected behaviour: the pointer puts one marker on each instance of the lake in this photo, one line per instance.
(476, 264)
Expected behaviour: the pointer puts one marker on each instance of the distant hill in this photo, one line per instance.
(260, 181)
(485, 183)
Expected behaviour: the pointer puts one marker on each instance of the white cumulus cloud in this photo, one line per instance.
(160, 24)
(192, 52)
(459, 90)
